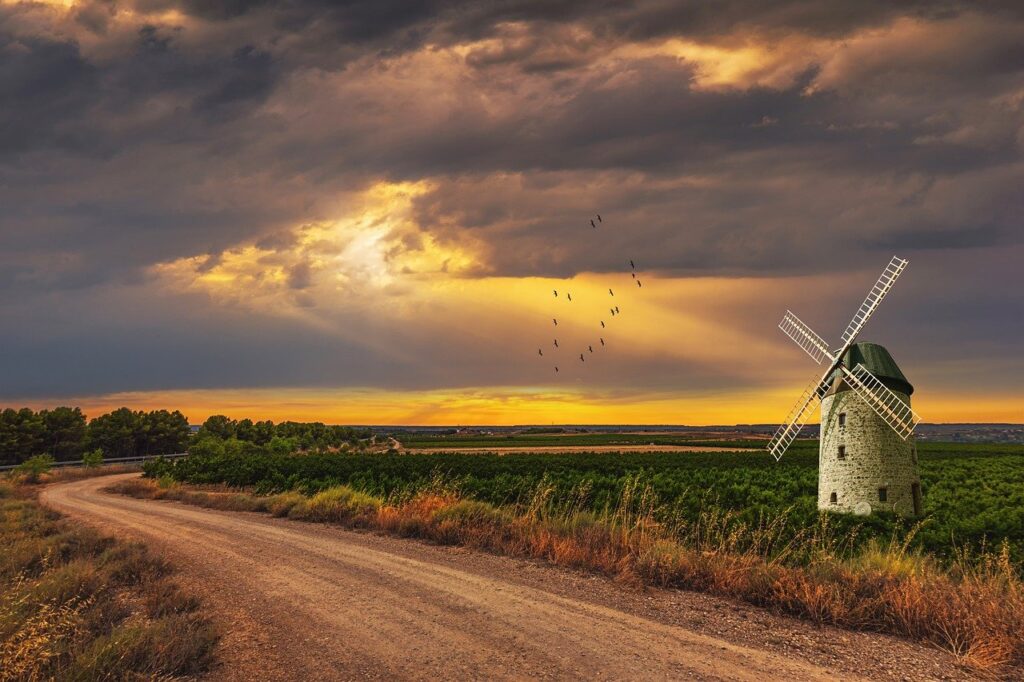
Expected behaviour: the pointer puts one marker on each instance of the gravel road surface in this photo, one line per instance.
(298, 601)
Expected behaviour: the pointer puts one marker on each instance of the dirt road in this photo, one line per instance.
(306, 601)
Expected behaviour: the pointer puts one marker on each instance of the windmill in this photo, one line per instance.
(868, 459)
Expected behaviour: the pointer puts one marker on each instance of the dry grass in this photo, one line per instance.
(77, 605)
(974, 610)
(64, 474)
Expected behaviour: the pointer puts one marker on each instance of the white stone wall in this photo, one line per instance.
(875, 458)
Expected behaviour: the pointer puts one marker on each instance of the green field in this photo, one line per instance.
(532, 440)
(973, 494)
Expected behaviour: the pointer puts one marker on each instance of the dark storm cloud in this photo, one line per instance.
(127, 143)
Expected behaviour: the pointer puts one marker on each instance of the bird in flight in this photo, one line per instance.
(638, 283)
(602, 324)
(616, 309)
(556, 293)
(556, 369)
(570, 296)
(612, 310)
(540, 352)
(555, 321)
(602, 340)
(581, 358)
(610, 291)
(599, 218)
(590, 348)
(634, 275)
(631, 264)
(592, 223)
(556, 343)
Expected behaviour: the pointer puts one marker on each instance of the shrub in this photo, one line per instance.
(93, 458)
(34, 467)
(339, 504)
(281, 505)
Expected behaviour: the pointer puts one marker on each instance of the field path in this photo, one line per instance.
(299, 601)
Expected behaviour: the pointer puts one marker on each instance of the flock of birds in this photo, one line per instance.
(613, 310)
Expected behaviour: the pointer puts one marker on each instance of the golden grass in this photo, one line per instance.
(974, 609)
(77, 605)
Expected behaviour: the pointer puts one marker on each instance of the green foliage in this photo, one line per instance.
(63, 432)
(973, 494)
(93, 458)
(22, 435)
(284, 437)
(554, 436)
(32, 468)
(126, 433)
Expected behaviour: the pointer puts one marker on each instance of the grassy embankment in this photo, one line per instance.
(972, 606)
(76, 605)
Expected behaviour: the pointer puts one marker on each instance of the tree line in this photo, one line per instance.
(287, 436)
(65, 434)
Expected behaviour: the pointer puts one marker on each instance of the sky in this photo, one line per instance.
(358, 212)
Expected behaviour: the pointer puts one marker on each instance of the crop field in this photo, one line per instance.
(533, 440)
(973, 494)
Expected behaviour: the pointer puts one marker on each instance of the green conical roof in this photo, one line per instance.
(878, 361)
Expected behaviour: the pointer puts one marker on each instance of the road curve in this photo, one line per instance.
(308, 601)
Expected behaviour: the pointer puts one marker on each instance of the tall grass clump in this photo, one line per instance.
(77, 605)
(339, 504)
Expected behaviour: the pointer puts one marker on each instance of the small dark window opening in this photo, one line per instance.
(842, 419)
(883, 494)
(833, 499)
(842, 452)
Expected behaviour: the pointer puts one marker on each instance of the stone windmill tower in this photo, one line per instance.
(868, 458)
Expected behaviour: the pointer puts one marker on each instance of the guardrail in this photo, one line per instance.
(106, 461)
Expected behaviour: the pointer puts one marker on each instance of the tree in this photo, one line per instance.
(245, 430)
(220, 426)
(63, 432)
(163, 433)
(117, 433)
(22, 435)
(264, 432)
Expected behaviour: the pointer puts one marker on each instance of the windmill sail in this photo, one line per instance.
(867, 308)
(790, 429)
(811, 343)
(889, 406)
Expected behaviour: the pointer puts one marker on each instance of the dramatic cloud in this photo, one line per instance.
(380, 196)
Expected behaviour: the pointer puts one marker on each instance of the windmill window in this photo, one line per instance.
(842, 419)
(842, 452)
(833, 499)
(883, 494)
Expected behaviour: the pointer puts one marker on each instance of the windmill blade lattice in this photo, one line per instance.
(790, 429)
(889, 406)
(811, 343)
(889, 276)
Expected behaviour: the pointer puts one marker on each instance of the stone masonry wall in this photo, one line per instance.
(875, 458)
